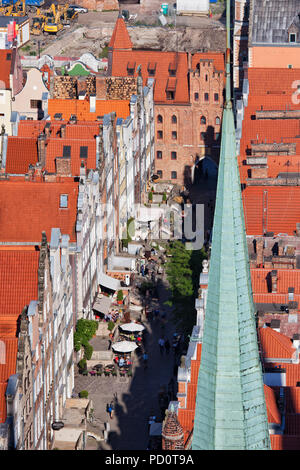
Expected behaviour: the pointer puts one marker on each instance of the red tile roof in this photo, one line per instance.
(120, 38)
(21, 152)
(39, 204)
(5, 69)
(283, 442)
(282, 206)
(121, 59)
(81, 108)
(285, 278)
(55, 149)
(18, 280)
(275, 345)
(217, 58)
(273, 413)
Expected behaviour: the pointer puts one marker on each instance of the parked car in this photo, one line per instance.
(78, 8)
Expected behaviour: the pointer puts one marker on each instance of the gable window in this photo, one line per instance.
(159, 119)
(173, 175)
(203, 120)
(173, 155)
(172, 70)
(83, 152)
(159, 154)
(174, 119)
(63, 201)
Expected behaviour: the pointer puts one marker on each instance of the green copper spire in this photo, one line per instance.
(230, 404)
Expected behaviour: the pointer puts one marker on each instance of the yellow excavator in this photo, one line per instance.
(37, 24)
(68, 15)
(53, 25)
(19, 8)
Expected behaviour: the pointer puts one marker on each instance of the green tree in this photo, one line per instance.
(183, 270)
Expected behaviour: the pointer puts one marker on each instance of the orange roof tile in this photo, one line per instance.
(272, 408)
(282, 206)
(81, 108)
(120, 38)
(39, 204)
(21, 152)
(18, 280)
(285, 278)
(217, 58)
(5, 69)
(163, 60)
(275, 345)
(54, 149)
(283, 442)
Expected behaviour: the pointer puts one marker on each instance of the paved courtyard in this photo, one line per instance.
(137, 397)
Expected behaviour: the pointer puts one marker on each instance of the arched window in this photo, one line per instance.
(159, 119)
(174, 119)
(203, 120)
(218, 121)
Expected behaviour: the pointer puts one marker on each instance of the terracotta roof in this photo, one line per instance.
(39, 204)
(292, 397)
(55, 148)
(18, 280)
(81, 108)
(273, 413)
(120, 38)
(283, 442)
(282, 209)
(21, 152)
(5, 60)
(285, 278)
(275, 345)
(217, 58)
(163, 60)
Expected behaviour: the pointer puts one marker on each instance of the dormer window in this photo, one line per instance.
(151, 69)
(171, 88)
(172, 69)
(63, 201)
(130, 68)
(292, 37)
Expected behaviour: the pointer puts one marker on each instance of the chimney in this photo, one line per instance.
(92, 103)
(73, 119)
(260, 252)
(274, 279)
(101, 88)
(63, 131)
(291, 291)
(296, 341)
(63, 166)
(47, 129)
(42, 149)
(81, 95)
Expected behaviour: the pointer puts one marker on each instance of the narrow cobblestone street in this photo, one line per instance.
(137, 397)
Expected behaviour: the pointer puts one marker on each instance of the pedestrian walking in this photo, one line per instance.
(111, 410)
(161, 343)
(167, 346)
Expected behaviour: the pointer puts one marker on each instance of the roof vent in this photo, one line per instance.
(58, 116)
(73, 118)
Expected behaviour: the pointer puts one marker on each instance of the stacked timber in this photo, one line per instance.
(120, 88)
(65, 87)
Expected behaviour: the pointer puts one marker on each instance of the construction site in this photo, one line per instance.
(56, 29)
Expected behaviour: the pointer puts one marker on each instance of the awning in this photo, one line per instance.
(102, 304)
(109, 282)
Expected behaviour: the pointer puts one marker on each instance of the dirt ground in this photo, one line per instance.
(93, 31)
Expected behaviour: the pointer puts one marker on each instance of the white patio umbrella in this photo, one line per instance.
(124, 346)
(132, 327)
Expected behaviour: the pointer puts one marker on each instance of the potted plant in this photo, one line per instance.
(120, 297)
(150, 196)
(83, 394)
(110, 325)
(164, 197)
(82, 366)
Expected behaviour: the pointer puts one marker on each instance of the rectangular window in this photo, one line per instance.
(196, 96)
(173, 175)
(159, 154)
(35, 104)
(63, 201)
(174, 135)
(173, 155)
(66, 151)
(292, 37)
(83, 152)
(159, 134)
(159, 173)
(206, 96)
(170, 95)
(216, 96)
